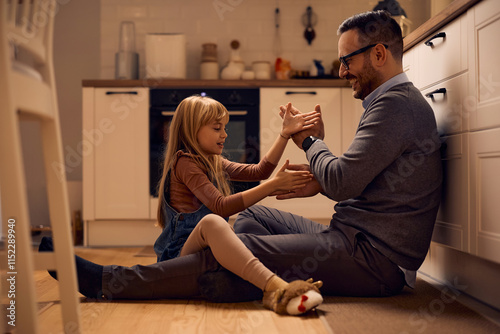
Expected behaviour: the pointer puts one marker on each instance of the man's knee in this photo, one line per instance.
(249, 212)
(242, 226)
(243, 219)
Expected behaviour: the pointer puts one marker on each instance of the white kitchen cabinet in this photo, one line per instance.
(483, 101)
(452, 223)
(352, 109)
(115, 148)
(331, 100)
(115, 153)
(465, 64)
(484, 106)
(439, 70)
(485, 192)
(409, 64)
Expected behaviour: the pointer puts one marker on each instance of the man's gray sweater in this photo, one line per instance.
(388, 183)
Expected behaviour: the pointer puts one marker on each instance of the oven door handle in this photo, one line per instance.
(237, 112)
(231, 113)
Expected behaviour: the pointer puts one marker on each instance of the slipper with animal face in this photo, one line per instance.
(297, 298)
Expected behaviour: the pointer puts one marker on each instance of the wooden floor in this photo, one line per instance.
(169, 316)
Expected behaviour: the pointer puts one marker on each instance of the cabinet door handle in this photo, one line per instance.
(310, 93)
(437, 91)
(128, 92)
(440, 35)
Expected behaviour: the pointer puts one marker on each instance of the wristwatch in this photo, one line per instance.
(308, 142)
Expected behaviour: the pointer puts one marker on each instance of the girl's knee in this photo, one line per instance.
(214, 222)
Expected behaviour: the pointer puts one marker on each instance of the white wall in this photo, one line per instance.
(249, 21)
(76, 57)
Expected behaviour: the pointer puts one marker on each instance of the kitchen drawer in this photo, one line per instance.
(446, 56)
(452, 223)
(484, 193)
(446, 100)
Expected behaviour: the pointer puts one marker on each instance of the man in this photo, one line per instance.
(387, 186)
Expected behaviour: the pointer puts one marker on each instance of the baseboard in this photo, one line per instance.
(488, 311)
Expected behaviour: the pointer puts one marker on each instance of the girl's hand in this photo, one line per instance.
(294, 121)
(310, 189)
(290, 180)
(294, 111)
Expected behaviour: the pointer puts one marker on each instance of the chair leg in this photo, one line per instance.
(27, 321)
(15, 212)
(61, 226)
(15, 208)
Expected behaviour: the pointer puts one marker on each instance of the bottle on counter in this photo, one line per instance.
(209, 67)
(127, 59)
(317, 69)
(283, 69)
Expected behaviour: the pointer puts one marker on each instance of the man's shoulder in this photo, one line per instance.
(401, 101)
(402, 88)
(401, 94)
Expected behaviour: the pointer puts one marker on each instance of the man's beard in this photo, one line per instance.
(366, 82)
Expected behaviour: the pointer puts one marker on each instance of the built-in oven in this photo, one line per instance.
(242, 143)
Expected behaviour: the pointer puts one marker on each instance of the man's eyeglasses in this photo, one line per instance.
(343, 60)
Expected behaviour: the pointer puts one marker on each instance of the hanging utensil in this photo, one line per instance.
(277, 37)
(309, 20)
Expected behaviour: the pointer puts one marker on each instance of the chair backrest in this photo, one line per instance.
(27, 42)
(30, 25)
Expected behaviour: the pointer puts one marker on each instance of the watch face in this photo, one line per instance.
(307, 143)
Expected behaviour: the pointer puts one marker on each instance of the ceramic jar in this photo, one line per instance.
(262, 70)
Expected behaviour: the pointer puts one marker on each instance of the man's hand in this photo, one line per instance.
(294, 122)
(310, 189)
(318, 130)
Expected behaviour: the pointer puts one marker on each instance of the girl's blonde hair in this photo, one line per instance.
(191, 114)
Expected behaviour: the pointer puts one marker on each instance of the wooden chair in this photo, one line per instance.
(27, 89)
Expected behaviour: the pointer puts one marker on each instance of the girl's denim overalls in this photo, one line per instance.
(178, 227)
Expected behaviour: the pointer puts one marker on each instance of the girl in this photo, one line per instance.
(193, 195)
(195, 175)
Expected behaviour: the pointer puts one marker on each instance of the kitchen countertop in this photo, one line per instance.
(188, 83)
(429, 27)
